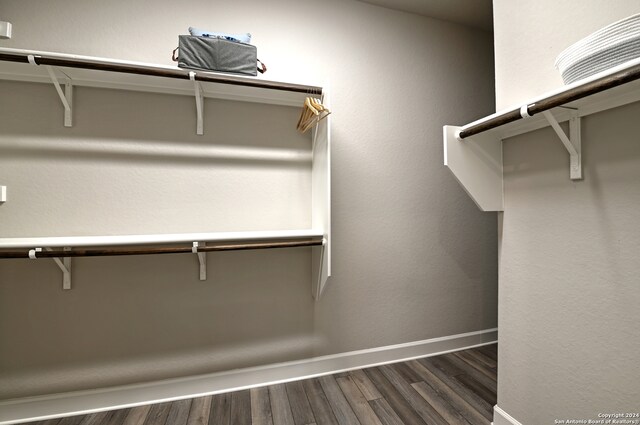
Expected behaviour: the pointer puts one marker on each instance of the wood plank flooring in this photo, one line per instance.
(456, 388)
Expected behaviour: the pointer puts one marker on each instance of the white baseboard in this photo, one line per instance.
(83, 402)
(500, 417)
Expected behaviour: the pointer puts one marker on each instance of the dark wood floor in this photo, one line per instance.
(455, 388)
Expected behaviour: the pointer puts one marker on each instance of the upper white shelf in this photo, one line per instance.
(91, 71)
(606, 90)
(473, 152)
(122, 240)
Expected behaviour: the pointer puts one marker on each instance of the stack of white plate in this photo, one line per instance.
(610, 46)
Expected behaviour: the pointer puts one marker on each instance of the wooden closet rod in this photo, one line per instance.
(182, 74)
(593, 87)
(101, 252)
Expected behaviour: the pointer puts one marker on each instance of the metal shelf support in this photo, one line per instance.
(573, 143)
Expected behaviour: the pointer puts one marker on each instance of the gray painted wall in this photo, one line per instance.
(568, 292)
(413, 258)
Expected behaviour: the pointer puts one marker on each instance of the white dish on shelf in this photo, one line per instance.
(612, 45)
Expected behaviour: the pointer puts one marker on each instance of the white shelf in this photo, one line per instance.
(476, 160)
(66, 71)
(145, 77)
(121, 240)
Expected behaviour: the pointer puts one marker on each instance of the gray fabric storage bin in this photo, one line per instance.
(215, 54)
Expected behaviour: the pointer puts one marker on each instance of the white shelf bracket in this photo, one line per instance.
(64, 264)
(66, 97)
(199, 104)
(202, 259)
(573, 143)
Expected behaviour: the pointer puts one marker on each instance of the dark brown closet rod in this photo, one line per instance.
(161, 72)
(597, 86)
(101, 252)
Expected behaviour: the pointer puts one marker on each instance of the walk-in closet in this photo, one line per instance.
(348, 212)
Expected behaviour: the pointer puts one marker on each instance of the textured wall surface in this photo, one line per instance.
(568, 291)
(412, 256)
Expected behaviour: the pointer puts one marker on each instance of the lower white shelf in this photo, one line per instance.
(69, 247)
